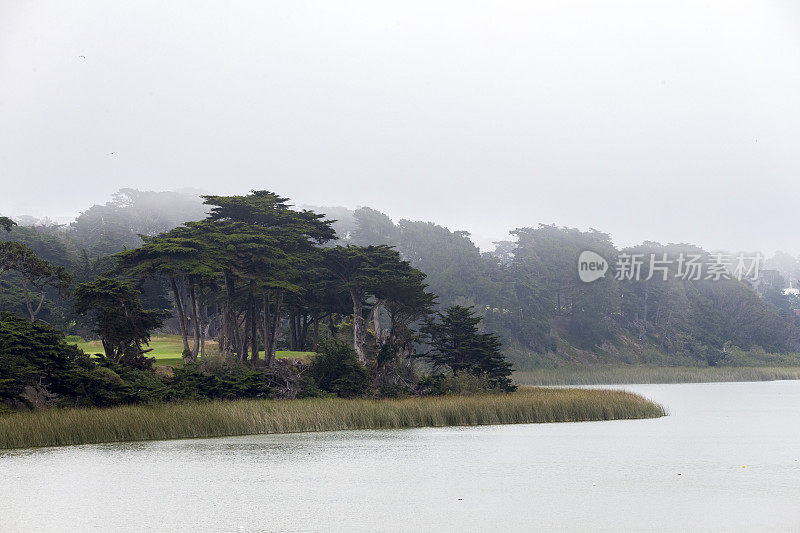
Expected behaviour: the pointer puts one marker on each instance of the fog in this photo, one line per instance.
(670, 121)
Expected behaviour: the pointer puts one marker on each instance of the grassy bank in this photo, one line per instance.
(167, 349)
(55, 427)
(611, 375)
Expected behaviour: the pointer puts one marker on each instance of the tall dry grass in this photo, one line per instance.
(56, 427)
(612, 375)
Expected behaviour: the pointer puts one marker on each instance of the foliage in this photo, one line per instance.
(253, 275)
(118, 224)
(227, 381)
(6, 223)
(462, 383)
(374, 277)
(35, 274)
(120, 321)
(457, 345)
(337, 369)
(35, 362)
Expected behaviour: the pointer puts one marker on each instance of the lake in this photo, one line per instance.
(725, 459)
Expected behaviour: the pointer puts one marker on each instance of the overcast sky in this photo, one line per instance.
(670, 121)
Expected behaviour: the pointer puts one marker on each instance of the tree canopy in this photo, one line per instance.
(34, 273)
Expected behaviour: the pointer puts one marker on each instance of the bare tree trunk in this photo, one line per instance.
(203, 336)
(273, 341)
(181, 315)
(245, 346)
(195, 322)
(316, 334)
(253, 324)
(231, 322)
(301, 344)
(31, 311)
(221, 340)
(358, 327)
(293, 331)
(375, 318)
(236, 339)
(108, 349)
(222, 333)
(202, 312)
(266, 321)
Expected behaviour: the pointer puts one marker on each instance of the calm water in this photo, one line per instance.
(592, 475)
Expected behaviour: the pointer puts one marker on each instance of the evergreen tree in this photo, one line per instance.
(34, 355)
(35, 274)
(456, 344)
(6, 223)
(120, 321)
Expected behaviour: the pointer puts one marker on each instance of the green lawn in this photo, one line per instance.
(167, 350)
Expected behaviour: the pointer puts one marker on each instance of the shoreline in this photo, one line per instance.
(646, 374)
(62, 427)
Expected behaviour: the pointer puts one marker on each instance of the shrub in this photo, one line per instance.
(218, 378)
(456, 344)
(336, 369)
(33, 354)
(459, 383)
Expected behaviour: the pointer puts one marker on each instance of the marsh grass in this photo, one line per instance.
(611, 375)
(54, 427)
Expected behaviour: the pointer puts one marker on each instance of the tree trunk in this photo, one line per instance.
(245, 345)
(293, 331)
(203, 336)
(28, 303)
(195, 322)
(265, 322)
(231, 326)
(203, 317)
(375, 318)
(273, 341)
(316, 333)
(303, 334)
(253, 324)
(222, 330)
(108, 349)
(181, 314)
(358, 327)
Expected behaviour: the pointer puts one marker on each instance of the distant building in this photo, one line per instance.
(791, 290)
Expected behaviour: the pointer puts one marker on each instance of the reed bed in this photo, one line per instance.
(613, 375)
(56, 427)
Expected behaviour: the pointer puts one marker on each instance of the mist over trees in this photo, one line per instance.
(526, 290)
(242, 274)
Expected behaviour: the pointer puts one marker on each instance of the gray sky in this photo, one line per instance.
(669, 121)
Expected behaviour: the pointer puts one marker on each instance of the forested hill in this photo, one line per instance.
(528, 290)
(531, 296)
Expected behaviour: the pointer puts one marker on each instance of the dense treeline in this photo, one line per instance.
(526, 291)
(529, 293)
(85, 246)
(252, 270)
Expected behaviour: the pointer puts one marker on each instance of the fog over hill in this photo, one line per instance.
(672, 121)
